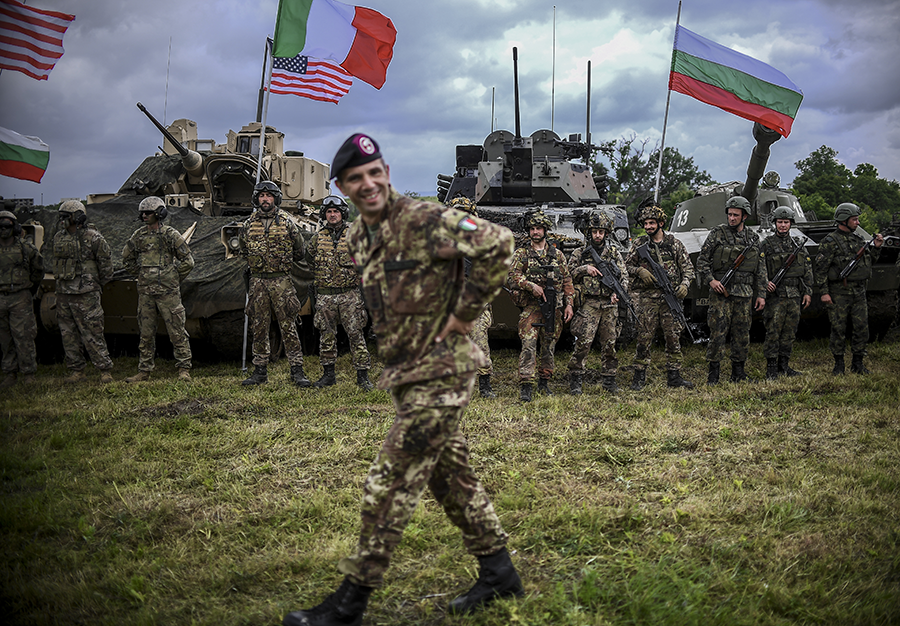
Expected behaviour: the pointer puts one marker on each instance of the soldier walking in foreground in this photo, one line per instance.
(82, 263)
(338, 298)
(599, 303)
(790, 289)
(271, 242)
(540, 284)
(729, 263)
(410, 254)
(160, 259)
(843, 268)
(21, 272)
(652, 309)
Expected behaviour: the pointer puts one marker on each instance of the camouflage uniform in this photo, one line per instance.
(82, 266)
(836, 251)
(734, 313)
(596, 310)
(160, 259)
(782, 312)
(21, 269)
(412, 278)
(271, 247)
(531, 268)
(338, 299)
(479, 335)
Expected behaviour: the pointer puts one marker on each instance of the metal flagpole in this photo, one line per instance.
(262, 129)
(553, 79)
(666, 117)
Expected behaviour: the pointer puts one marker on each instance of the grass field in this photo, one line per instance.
(208, 503)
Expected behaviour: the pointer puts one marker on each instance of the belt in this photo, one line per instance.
(334, 291)
(268, 275)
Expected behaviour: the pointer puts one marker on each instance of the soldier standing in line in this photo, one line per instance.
(783, 304)
(21, 272)
(846, 297)
(160, 259)
(82, 264)
(652, 310)
(536, 267)
(599, 308)
(410, 254)
(338, 298)
(730, 306)
(271, 242)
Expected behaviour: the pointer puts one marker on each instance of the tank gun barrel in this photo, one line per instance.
(192, 161)
(516, 88)
(764, 137)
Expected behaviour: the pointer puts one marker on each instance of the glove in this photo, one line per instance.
(681, 291)
(646, 277)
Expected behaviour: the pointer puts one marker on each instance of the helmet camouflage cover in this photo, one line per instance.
(845, 211)
(72, 206)
(537, 218)
(597, 220)
(652, 212)
(8, 215)
(462, 203)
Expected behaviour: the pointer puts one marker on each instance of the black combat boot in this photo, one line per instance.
(771, 369)
(838, 365)
(260, 376)
(362, 380)
(484, 386)
(497, 578)
(639, 380)
(299, 377)
(608, 382)
(713, 377)
(525, 392)
(328, 378)
(856, 365)
(544, 386)
(344, 607)
(786, 369)
(575, 384)
(674, 379)
(738, 375)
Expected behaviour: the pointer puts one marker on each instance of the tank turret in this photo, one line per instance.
(192, 161)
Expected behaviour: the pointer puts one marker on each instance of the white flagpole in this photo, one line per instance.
(262, 129)
(553, 79)
(666, 117)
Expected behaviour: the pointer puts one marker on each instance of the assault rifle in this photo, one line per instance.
(788, 262)
(734, 267)
(609, 276)
(852, 264)
(662, 279)
(548, 305)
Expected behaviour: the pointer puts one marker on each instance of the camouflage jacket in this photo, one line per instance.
(722, 246)
(21, 266)
(798, 280)
(159, 258)
(271, 246)
(82, 261)
(531, 268)
(670, 253)
(836, 251)
(590, 286)
(412, 279)
(328, 256)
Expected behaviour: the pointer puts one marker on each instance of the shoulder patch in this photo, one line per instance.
(467, 224)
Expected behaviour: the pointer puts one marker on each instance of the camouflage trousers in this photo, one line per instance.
(18, 329)
(781, 316)
(423, 447)
(276, 296)
(728, 314)
(531, 336)
(80, 319)
(590, 317)
(345, 309)
(167, 306)
(848, 304)
(479, 336)
(653, 313)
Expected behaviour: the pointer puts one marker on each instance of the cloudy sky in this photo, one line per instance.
(449, 58)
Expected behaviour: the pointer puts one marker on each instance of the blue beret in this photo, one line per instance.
(358, 149)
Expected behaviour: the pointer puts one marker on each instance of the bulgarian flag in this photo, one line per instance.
(22, 157)
(733, 81)
(359, 39)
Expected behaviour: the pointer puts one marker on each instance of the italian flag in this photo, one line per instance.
(22, 157)
(733, 81)
(359, 39)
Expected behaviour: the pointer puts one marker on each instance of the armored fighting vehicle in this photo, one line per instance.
(694, 218)
(207, 189)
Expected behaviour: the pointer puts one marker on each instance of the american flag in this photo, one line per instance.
(316, 79)
(31, 39)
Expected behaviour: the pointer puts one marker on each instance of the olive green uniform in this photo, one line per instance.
(782, 312)
(21, 270)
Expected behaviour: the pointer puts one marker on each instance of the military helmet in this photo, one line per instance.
(72, 206)
(783, 213)
(463, 204)
(155, 205)
(652, 212)
(268, 186)
(537, 218)
(9, 215)
(738, 202)
(598, 220)
(334, 202)
(845, 211)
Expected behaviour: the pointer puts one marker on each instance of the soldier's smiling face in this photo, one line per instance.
(651, 226)
(369, 188)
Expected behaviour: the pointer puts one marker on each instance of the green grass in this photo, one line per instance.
(208, 503)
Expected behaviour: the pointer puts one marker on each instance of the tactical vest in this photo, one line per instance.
(270, 251)
(157, 267)
(14, 275)
(847, 247)
(664, 254)
(540, 270)
(72, 257)
(778, 251)
(724, 256)
(334, 268)
(592, 285)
